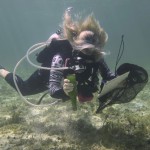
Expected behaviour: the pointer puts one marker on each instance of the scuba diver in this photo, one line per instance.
(77, 45)
(86, 39)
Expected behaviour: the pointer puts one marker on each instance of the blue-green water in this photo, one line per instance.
(26, 22)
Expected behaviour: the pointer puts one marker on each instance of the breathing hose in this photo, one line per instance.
(31, 50)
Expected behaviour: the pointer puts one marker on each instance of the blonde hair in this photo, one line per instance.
(72, 29)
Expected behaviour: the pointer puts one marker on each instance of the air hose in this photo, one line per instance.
(32, 49)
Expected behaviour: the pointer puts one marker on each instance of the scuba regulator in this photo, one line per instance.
(78, 62)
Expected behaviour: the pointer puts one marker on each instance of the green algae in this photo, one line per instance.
(73, 94)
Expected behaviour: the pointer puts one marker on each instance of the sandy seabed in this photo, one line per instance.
(58, 127)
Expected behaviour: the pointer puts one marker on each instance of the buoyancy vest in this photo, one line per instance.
(56, 46)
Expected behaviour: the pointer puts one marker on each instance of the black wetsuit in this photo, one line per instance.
(42, 80)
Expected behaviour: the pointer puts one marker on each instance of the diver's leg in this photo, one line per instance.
(3, 72)
(36, 83)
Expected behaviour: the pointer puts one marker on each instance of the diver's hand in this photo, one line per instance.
(67, 86)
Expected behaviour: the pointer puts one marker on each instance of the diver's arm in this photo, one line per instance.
(105, 72)
(56, 78)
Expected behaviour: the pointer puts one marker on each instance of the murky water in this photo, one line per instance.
(24, 23)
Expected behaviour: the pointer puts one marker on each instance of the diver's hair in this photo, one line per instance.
(72, 29)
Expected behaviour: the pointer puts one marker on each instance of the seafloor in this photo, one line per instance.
(58, 127)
